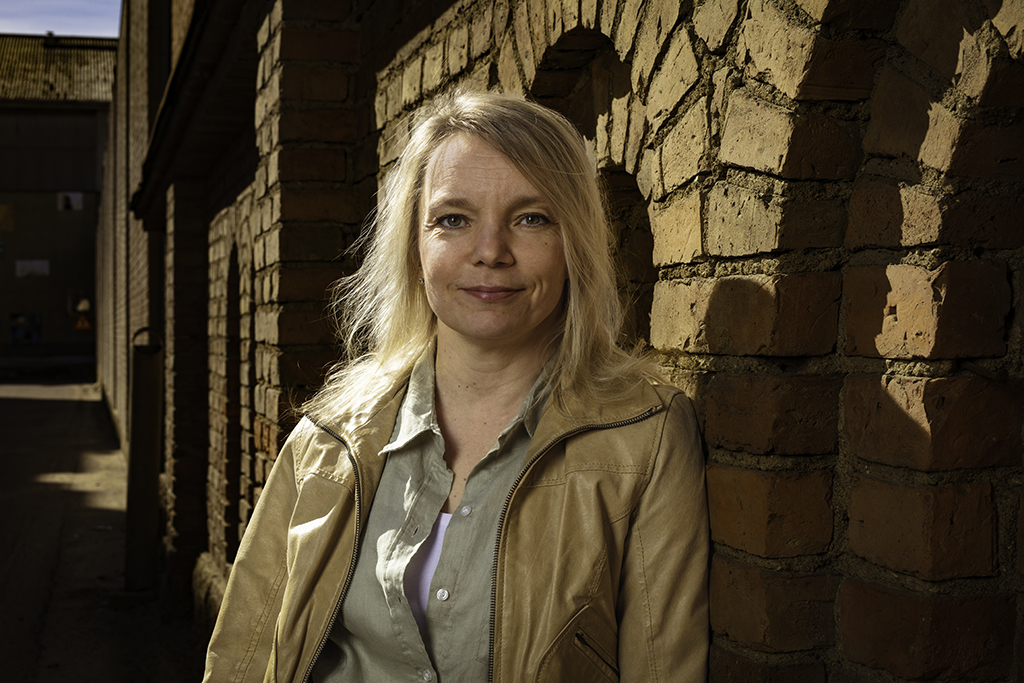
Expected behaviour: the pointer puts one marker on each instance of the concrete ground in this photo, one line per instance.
(66, 615)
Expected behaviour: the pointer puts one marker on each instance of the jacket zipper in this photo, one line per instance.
(508, 499)
(355, 555)
(582, 638)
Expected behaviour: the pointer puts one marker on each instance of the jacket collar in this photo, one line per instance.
(369, 431)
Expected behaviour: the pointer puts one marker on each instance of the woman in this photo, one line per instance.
(492, 489)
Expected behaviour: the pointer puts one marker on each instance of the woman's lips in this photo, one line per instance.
(489, 293)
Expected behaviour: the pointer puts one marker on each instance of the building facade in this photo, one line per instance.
(818, 207)
(54, 95)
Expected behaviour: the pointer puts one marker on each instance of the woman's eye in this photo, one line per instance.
(451, 221)
(535, 219)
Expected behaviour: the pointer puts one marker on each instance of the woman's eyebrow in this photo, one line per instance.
(464, 203)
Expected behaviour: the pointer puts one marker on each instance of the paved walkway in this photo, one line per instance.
(66, 616)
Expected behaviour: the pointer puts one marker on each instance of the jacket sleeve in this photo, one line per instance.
(663, 603)
(242, 639)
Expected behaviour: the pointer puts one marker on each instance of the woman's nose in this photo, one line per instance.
(491, 247)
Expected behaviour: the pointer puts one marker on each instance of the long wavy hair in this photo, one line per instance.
(383, 317)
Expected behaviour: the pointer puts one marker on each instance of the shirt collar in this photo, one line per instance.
(417, 416)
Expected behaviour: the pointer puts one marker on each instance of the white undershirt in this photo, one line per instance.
(420, 570)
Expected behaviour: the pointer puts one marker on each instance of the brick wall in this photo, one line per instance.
(275, 251)
(832, 193)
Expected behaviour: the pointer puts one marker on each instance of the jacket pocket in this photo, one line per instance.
(583, 652)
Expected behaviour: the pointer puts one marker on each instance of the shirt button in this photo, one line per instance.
(427, 676)
(465, 510)
(442, 594)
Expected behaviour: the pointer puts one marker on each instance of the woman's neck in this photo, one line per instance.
(466, 373)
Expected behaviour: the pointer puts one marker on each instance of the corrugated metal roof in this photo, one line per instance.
(56, 68)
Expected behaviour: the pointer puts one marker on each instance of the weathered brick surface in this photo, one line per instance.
(933, 424)
(874, 15)
(935, 532)
(771, 611)
(927, 637)
(676, 226)
(776, 315)
(307, 164)
(771, 514)
(902, 311)
(884, 214)
(742, 222)
(726, 667)
(712, 21)
(802, 63)
(989, 152)
(787, 415)
(684, 154)
(905, 122)
(768, 138)
(678, 73)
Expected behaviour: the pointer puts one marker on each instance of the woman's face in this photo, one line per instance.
(490, 251)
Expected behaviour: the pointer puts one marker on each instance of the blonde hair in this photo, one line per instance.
(384, 320)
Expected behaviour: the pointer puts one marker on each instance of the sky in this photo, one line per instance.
(100, 18)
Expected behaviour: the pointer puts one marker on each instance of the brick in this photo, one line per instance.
(315, 10)
(770, 514)
(657, 23)
(743, 222)
(287, 325)
(314, 83)
(803, 64)
(1008, 19)
(673, 79)
(989, 151)
(874, 15)
(295, 366)
(684, 153)
(928, 637)
(768, 138)
(625, 30)
(528, 58)
(901, 311)
(317, 125)
(933, 424)
(905, 122)
(728, 667)
(1020, 532)
(636, 136)
(305, 243)
(457, 48)
(783, 315)
(433, 67)
(508, 70)
(883, 214)
(480, 31)
(934, 533)
(316, 44)
(286, 283)
(676, 226)
(412, 81)
(934, 31)
(985, 73)
(319, 205)
(290, 164)
(771, 611)
(782, 414)
(712, 21)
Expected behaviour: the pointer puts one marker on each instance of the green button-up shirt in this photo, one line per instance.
(376, 638)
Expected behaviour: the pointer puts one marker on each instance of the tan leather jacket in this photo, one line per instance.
(600, 566)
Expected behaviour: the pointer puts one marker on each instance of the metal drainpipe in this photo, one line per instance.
(142, 518)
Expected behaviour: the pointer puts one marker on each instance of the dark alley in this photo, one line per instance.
(68, 617)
